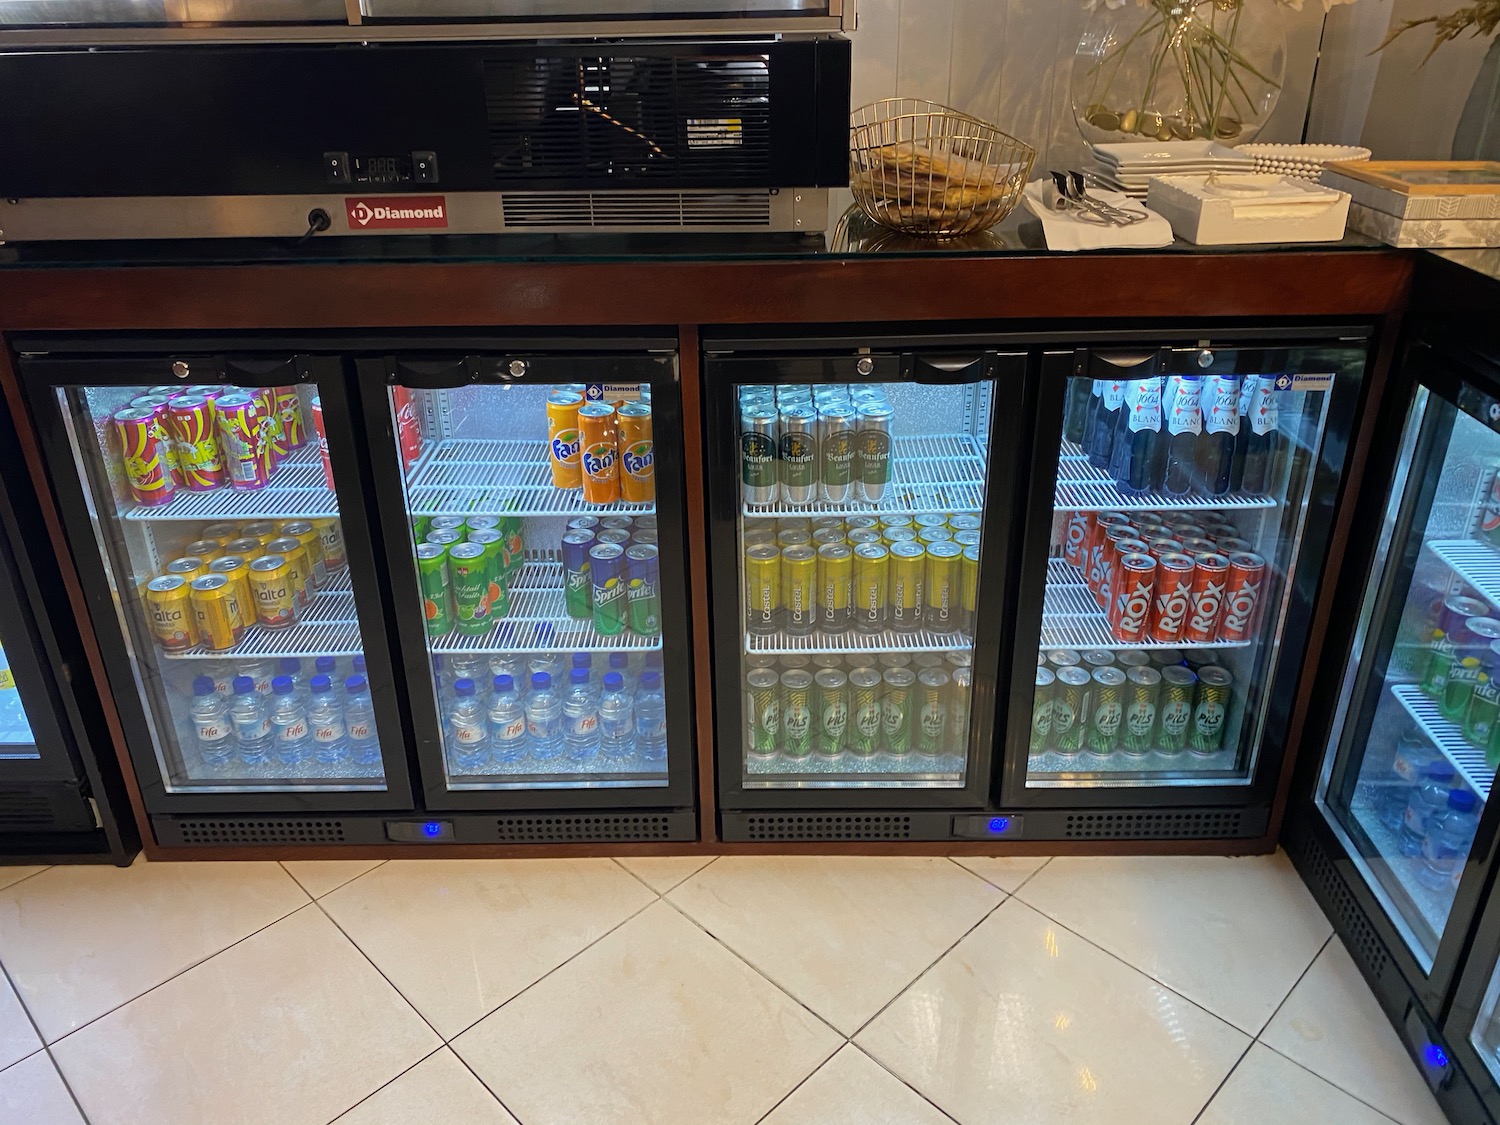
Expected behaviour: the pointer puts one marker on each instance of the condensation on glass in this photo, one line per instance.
(533, 525)
(859, 530)
(219, 529)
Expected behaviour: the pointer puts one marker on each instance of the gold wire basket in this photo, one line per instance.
(922, 168)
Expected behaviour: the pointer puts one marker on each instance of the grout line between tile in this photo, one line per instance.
(803, 1082)
(1329, 1081)
(660, 894)
(383, 1085)
(68, 1086)
(1307, 969)
(23, 878)
(1208, 1101)
(330, 890)
(939, 1109)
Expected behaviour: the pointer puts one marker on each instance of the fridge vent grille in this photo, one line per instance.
(216, 831)
(22, 812)
(1343, 910)
(850, 826)
(676, 210)
(1167, 824)
(565, 829)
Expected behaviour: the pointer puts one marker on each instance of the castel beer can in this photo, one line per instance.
(942, 594)
(241, 442)
(1210, 577)
(907, 581)
(563, 441)
(763, 589)
(1174, 597)
(274, 588)
(144, 456)
(1247, 575)
(968, 589)
(191, 419)
(1134, 584)
(170, 602)
(799, 589)
(637, 453)
(217, 615)
(599, 455)
(871, 580)
(835, 587)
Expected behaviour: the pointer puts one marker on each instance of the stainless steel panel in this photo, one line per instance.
(53, 13)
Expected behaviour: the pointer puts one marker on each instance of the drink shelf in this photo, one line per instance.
(329, 627)
(298, 490)
(512, 478)
(560, 773)
(937, 473)
(538, 622)
(1117, 769)
(887, 640)
(1448, 737)
(1476, 563)
(1081, 487)
(845, 771)
(1072, 619)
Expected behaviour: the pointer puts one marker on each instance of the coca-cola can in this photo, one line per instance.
(1231, 545)
(1093, 572)
(1247, 574)
(1210, 577)
(322, 436)
(1114, 535)
(1075, 537)
(408, 428)
(1174, 597)
(1134, 595)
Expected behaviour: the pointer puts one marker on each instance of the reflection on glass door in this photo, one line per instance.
(533, 522)
(216, 516)
(1418, 737)
(1178, 514)
(859, 529)
(16, 739)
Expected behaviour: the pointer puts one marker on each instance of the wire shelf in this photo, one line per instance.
(934, 473)
(462, 477)
(1082, 487)
(1072, 619)
(1447, 736)
(298, 490)
(1475, 562)
(538, 622)
(887, 640)
(838, 771)
(329, 627)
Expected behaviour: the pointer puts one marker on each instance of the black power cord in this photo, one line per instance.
(317, 221)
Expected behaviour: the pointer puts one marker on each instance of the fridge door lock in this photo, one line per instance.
(517, 368)
(180, 369)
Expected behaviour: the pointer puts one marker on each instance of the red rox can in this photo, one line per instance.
(1196, 547)
(1210, 576)
(1093, 553)
(1119, 539)
(1247, 574)
(1164, 545)
(1174, 597)
(1231, 546)
(1135, 590)
(1076, 536)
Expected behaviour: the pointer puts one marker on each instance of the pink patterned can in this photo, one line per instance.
(240, 439)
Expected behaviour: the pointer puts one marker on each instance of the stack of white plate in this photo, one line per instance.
(1305, 162)
(1129, 166)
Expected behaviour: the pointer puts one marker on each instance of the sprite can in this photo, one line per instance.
(607, 573)
(1463, 678)
(1142, 687)
(578, 586)
(1070, 704)
(865, 713)
(831, 711)
(763, 710)
(1210, 711)
(1483, 709)
(932, 712)
(643, 590)
(1106, 709)
(796, 713)
(895, 707)
(1041, 709)
(1440, 653)
(1174, 707)
(469, 572)
(437, 596)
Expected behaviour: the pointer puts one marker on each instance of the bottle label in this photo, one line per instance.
(361, 729)
(1184, 412)
(511, 730)
(583, 726)
(1114, 393)
(1263, 413)
(1247, 392)
(657, 732)
(294, 731)
(252, 730)
(329, 730)
(539, 729)
(469, 734)
(1221, 404)
(212, 730)
(1415, 823)
(1143, 400)
(1097, 390)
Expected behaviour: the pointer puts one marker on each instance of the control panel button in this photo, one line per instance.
(336, 167)
(424, 167)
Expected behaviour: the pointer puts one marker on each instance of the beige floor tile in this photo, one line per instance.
(9, 875)
(656, 1023)
(17, 1037)
(1230, 934)
(1333, 1025)
(850, 1089)
(79, 941)
(32, 1093)
(843, 934)
(320, 876)
(1025, 1021)
(1267, 1088)
(1006, 872)
(461, 937)
(439, 1090)
(663, 872)
(291, 1026)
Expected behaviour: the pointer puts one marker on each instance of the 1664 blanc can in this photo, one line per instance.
(171, 605)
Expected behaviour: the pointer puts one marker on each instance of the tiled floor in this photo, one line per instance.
(789, 991)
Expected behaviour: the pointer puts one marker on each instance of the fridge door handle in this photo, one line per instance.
(1106, 365)
(264, 372)
(945, 370)
(434, 374)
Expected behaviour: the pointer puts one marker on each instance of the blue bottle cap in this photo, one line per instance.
(204, 685)
(541, 681)
(463, 687)
(282, 685)
(243, 685)
(504, 683)
(359, 663)
(354, 685)
(650, 680)
(583, 660)
(290, 665)
(322, 683)
(580, 676)
(619, 660)
(326, 663)
(1440, 771)
(613, 681)
(1461, 800)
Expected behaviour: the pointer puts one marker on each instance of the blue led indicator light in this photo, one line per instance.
(999, 823)
(432, 828)
(1436, 1057)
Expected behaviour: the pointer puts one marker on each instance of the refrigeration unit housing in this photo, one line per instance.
(377, 138)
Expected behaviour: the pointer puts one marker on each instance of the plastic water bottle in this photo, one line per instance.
(584, 660)
(1413, 755)
(326, 666)
(581, 714)
(251, 719)
(468, 729)
(619, 663)
(547, 662)
(512, 666)
(1426, 799)
(651, 719)
(210, 714)
(289, 719)
(326, 718)
(507, 721)
(544, 718)
(1450, 835)
(469, 668)
(359, 664)
(616, 719)
(359, 722)
(260, 671)
(222, 673)
(292, 667)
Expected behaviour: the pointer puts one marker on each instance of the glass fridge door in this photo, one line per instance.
(16, 739)
(1178, 515)
(858, 513)
(1416, 740)
(550, 586)
(244, 624)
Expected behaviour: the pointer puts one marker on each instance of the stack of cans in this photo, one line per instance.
(803, 444)
(612, 573)
(467, 566)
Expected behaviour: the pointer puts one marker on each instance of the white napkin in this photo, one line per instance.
(1064, 232)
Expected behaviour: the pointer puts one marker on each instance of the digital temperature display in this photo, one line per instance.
(382, 169)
